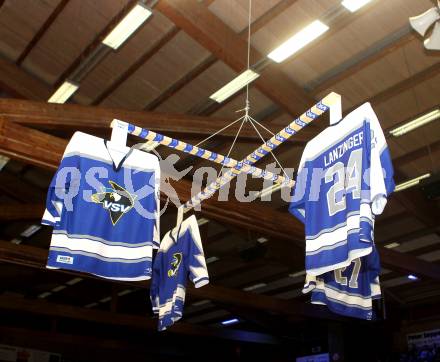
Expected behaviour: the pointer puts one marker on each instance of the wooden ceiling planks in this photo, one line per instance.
(13, 39)
(43, 29)
(214, 35)
(235, 13)
(198, 90)
(386, 102)
(170, 34)
(180, 83)
(350, 39)
(257, 23)
(100, 34)
(57, 53)
(104, 74)
(158, 72)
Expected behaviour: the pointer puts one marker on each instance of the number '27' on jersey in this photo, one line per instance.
(344, 177)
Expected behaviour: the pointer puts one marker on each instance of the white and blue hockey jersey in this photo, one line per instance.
(350, 290)
(179, 257)
(344, 178)
(104, 213)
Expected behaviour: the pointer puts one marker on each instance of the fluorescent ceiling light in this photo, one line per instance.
(59, 288)
(44, 295)
(230, 321)
(297, 274)
(411, 183)
(127, 26)
(125, 292)
(255, 286)
(412, 277)
(64, 92)
(31, 230)
(234, 85)
(262, 240)
(298, 41)
(391, 245)
(74, 281)
(3, 161)
(105, 300)
(418, 122)
(269, 190)
(354, 5)
(202, 221)
(91, 305)
(201, 302)
(211, 259)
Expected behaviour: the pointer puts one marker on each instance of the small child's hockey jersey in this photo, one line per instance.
(344, 178)
(178, 258)
(350, 290)
(104, 213)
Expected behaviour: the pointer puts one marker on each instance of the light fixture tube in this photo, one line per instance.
(230, 321)
(354, 5)
(298, 41)
(416, 123)
(392, 245)
(234, 85)
(127, 26)
(64, 92)
(411, 183)
(254, 287)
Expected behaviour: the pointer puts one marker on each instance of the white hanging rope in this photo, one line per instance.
(219, 131)
(264, 141)
(233, 143)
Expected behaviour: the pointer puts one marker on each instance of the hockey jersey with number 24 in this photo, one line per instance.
(344, 178)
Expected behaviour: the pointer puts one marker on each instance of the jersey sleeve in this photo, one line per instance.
(155, 283)
(381, 168)
(64, 185)
(297, 205)
(156, 234)
(198, 271)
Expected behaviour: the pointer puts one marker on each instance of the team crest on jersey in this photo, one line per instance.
(116, 200)
(175, 264)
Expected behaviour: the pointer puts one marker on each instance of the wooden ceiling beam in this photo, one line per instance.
(42, 31)
(73, 116)
(64, 311)
(19, 212)
(21, 84)
(33, 257)
(18, 189)
(261, 219)
(201, 24)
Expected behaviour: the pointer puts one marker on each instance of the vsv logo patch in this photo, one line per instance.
(117, 200)
(175, 264)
